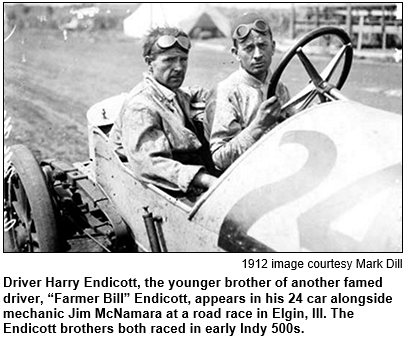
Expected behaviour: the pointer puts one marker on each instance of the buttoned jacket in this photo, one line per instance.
(231, 107)
(155, 131)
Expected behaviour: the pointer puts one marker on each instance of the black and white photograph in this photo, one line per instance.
(202, 127)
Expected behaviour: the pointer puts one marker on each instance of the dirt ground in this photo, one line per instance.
(50, 81)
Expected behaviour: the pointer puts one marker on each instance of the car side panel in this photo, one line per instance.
(130, 197)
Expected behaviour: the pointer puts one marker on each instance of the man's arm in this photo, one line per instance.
(149, 151)
(228, 139)
(223, 128)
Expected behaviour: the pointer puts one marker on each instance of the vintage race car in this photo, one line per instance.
(328, 179)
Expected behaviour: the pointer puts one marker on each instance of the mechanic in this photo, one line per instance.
(237, 112)
(155, 129)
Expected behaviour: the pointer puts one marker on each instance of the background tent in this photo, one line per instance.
(198, 20)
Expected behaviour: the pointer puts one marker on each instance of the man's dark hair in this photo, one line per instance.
(149, 40)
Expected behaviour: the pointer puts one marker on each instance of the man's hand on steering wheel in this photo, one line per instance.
(268, 114)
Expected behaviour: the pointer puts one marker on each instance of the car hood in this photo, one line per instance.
(328, 179)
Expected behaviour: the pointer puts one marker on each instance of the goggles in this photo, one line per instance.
(243, 30)
(168, 41)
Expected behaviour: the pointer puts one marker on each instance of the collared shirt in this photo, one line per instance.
(232, 106)
(171, 98)
(151, 130)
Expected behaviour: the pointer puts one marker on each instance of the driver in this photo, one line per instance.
(155, 129)
(237, 112)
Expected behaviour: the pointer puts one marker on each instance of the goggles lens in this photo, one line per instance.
(168, 41)
(243, 30)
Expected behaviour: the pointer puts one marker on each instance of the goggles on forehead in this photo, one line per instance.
(243, 30)
(168, 41)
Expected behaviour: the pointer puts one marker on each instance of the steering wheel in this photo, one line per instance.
(319, 82)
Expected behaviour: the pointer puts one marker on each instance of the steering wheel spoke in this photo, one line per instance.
(332, 66)
(308, 100)
(300, 97)
(309, 67)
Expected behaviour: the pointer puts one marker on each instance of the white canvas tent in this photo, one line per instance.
(187, 16)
